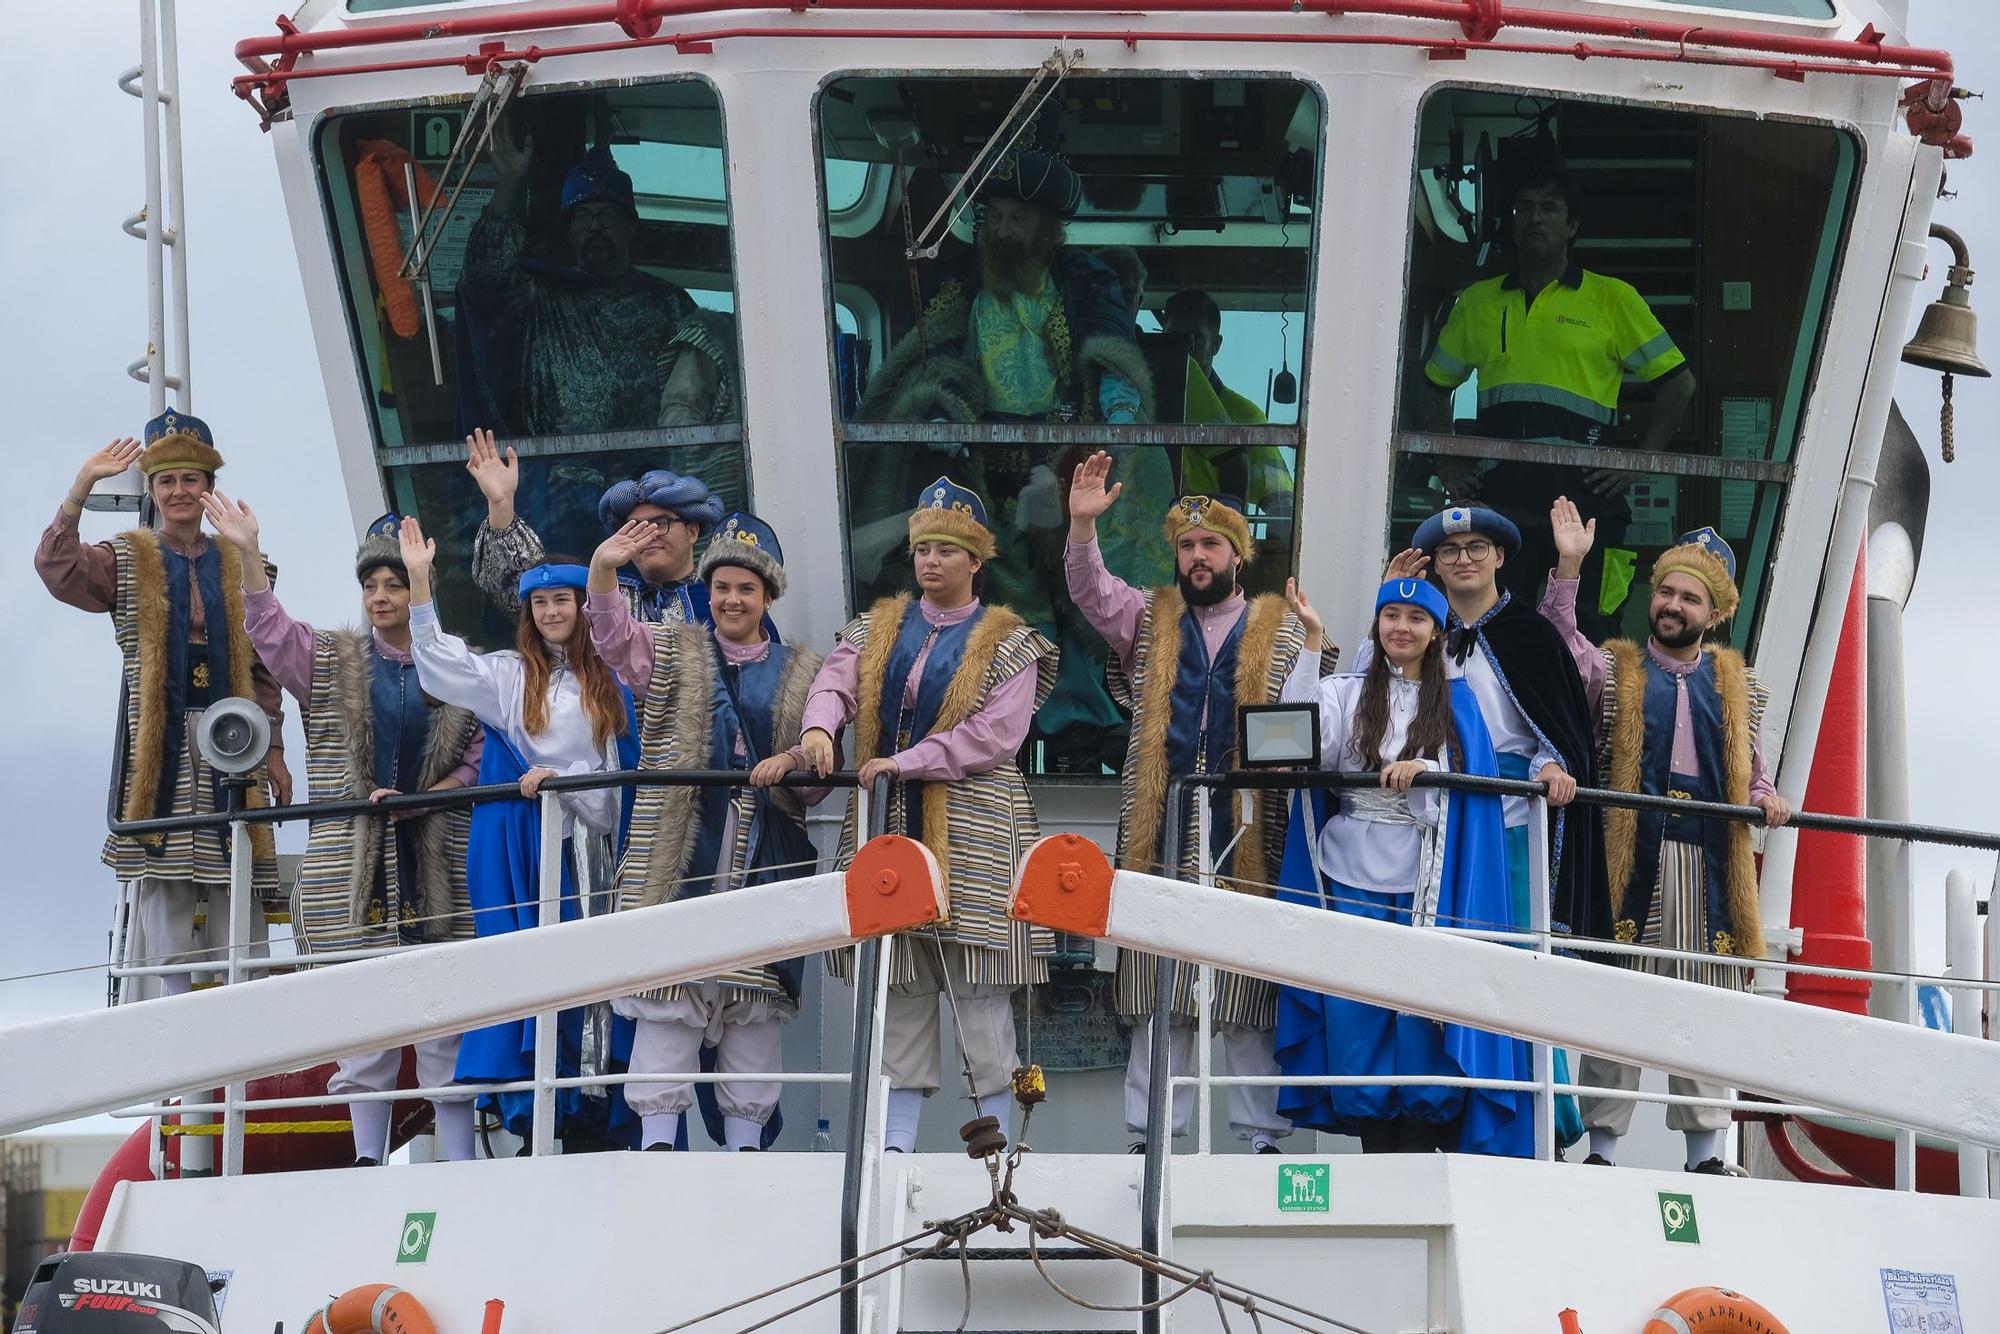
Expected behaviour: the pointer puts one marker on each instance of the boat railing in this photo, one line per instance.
(1969, 980)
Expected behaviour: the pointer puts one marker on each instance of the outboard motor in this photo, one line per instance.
(105, 1292)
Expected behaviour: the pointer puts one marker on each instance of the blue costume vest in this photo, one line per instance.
(903, 727)
(190, 684)
(1657, 777)
(1191, 746)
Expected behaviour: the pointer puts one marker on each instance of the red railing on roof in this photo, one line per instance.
(273, 61)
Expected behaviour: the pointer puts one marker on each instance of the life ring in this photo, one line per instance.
(373, 1308)
(1710, 1311)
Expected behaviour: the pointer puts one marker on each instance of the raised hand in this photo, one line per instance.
(419, 552)
(233, 520)
(1409, 563)
(1573, 536)
(496, 477)
(1089, 497)
(109, 461)
(1295, 598)
(511, 157)
(616, 551)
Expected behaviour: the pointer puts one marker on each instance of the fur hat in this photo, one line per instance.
(1218, 514)
(948, 512)
(381, 546)
(747, 541)
(1703, 554)
(176, 440)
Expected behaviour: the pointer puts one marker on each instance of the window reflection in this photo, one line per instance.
(1613, 303)
(583, 285)
(1136, 260)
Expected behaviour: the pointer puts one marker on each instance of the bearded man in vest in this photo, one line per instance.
(1183, 658)
(1676, 718)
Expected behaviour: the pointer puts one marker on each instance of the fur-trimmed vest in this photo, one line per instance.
(935, 372)
(979, 825)
(1269, 647)
(674, 722)
(350, 891)
(143, 623)
(1623, 728)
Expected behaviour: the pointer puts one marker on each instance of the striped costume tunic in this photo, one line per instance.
(1267, 646)
(670, 825)
(140, 619)
(351, 891)
(978, 826)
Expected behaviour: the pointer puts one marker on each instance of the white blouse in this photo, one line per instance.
(1378, 854)
(491, 686)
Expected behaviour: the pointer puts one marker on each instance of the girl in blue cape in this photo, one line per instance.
(551, 706)
(1399, 853)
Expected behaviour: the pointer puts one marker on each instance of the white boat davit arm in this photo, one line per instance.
(1846, 1063)
(229, 1034)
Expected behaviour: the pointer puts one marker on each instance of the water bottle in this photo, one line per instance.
(823, 1137)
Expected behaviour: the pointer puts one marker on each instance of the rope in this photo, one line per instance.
(262, 1128)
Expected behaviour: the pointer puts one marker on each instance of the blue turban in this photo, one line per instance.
(552, 575)
(1416, 593)
(598, 177)
(1490, 524)
(687, 497)
(1036, 178)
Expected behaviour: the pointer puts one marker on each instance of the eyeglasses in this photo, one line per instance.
(1463, 551)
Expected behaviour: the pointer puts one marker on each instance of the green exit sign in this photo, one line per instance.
(1305, 1188)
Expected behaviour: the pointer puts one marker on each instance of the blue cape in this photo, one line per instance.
(1325, 1035)
(502, 876)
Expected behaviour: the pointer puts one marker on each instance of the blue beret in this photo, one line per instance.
(1415, 592)
(688, 497)
(553, 576)
(1468, 519)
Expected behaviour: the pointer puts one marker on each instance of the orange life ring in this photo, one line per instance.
(1712, 1311)
(373, 1308)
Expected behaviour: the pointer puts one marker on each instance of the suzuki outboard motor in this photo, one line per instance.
(104, 1292)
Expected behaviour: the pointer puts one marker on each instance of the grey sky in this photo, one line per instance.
(76, 301)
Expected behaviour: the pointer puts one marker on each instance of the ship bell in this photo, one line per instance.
(1947, 336)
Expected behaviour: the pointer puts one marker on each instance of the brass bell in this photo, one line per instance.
(1947, 336)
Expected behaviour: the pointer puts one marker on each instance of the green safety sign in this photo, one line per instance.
(433, 130)
(1305, 1188)
(1677, 1219)
(413, 1247)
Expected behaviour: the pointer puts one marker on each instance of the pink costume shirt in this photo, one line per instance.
(1115, 609)
(286, 647)
(1559, 609)
(992, 735)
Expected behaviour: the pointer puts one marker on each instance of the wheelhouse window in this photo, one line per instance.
(1019, 280)
(581, 302)
(1622, 305)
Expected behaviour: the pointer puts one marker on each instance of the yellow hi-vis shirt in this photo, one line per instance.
(1550, 370)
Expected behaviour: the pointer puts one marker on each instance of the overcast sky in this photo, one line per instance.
(75, 304)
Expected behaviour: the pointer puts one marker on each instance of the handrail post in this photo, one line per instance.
(542, 1135)
(1204, 987)
(1962, 951)
(242, 888)
(1538, 922)
(871, 814)
(1990, 1009)
(1159, 1088)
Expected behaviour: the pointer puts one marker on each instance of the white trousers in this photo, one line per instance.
(1253, 1109)
(1613, 1116)
(377, 1072)
(913, 1030)
(178, 921)
(668, 1036)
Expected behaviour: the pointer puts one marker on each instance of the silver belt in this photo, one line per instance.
(1377, 805)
